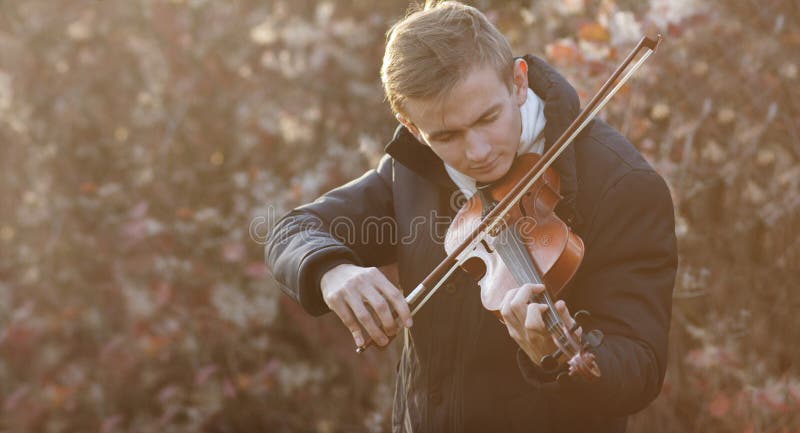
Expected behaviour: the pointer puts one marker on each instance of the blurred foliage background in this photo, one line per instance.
(147, 146)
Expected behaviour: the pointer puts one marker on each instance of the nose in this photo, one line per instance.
(477, 149)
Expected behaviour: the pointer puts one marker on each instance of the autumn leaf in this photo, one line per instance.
(153, 345)
(563, 52)
(593, 32)
(88, 188)
(243, 381)
(184, 213)
(719, 405)
(57, 395)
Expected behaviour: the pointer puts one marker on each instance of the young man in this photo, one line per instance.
(466, 109)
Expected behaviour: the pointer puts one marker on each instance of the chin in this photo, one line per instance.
(498, 171)
(489, 177)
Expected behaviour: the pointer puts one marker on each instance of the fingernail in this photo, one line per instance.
(359, 342)
(409, 323)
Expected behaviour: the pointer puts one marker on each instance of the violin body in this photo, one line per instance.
(531, 245)
(555, 249)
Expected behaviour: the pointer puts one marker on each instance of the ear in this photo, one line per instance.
(410, 126)
(520, 81)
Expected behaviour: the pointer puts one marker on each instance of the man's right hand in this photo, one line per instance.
(352, 291)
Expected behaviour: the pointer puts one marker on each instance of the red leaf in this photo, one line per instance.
(563, 52)
(720, 405)
(88, 188)
(184, 213)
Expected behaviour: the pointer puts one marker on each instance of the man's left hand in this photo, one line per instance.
(525, 320)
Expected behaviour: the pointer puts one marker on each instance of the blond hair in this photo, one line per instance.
(430, 50)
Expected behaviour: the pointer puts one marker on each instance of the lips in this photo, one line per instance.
(485, 167)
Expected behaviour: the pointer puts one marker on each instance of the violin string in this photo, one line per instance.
(521, 260)
(555, 326)
(551, 319)
(523, 270)
(520, 253)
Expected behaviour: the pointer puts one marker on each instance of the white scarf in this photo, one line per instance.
(531, 140)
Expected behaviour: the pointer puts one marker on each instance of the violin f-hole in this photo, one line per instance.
(475, 268)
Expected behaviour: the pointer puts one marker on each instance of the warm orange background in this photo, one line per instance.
(147, 145)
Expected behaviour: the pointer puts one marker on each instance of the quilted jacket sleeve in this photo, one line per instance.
(353, 223)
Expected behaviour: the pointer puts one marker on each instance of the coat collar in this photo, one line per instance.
(561, 106)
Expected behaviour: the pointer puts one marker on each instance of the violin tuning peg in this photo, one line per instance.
(548, 362)
(582, 317)
(593, 338)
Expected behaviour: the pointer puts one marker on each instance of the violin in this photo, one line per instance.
(531, 245)
(507, 234)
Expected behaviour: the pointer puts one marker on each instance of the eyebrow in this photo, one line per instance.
(437, 134)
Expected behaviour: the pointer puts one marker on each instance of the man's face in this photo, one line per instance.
(476, 128)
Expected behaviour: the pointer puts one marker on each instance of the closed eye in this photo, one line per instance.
(444, 138)
(488, 119)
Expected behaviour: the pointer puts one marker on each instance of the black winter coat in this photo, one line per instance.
(460, 370)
